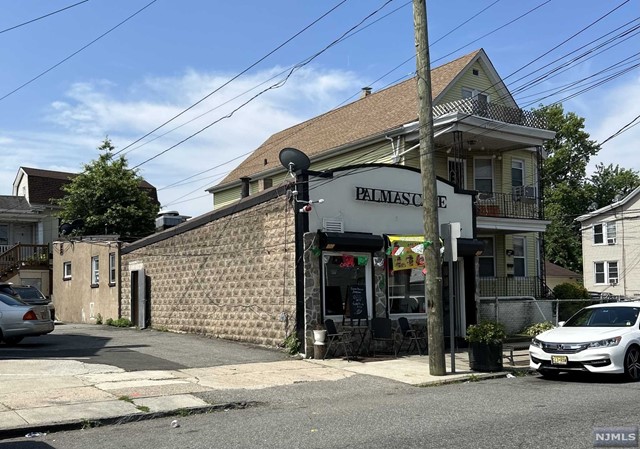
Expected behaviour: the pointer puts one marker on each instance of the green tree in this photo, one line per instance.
(564, 179)
(610, 182)
(107, 197)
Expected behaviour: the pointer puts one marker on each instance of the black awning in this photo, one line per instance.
(350, 241)
(470, 247)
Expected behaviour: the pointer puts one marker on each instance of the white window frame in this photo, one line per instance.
(368, 280)
(475, 174)
(473, 93)
(521, 168)
(95, 270)
(607, 231)
(112, 268)
(522, 257)
(608, 268)
(66, 270)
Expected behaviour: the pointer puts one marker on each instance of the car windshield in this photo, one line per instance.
(10, 300)
(28, 293)
(604, 317)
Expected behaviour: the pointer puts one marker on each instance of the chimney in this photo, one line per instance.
(366, 91)
(245, 186)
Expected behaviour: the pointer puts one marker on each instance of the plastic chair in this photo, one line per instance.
(382, 331)
(337, 338)
(411, 335)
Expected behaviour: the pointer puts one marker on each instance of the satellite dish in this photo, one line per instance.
(65, 228)
(293, 159)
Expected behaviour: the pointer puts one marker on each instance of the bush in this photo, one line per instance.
(292, 344)
(120, 322)
(489, 332)
(538, 328)
(570, 290)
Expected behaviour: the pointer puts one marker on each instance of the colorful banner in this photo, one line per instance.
(406, 251)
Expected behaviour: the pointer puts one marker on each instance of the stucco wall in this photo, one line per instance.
(75, 299)
(232, 278)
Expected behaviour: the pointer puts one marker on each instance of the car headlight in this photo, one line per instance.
(605, 343)
(537, 343)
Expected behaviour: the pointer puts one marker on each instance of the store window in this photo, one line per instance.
(406, 291)
(342, 272)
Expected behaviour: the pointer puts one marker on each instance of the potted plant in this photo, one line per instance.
(485, 346)
(319, 334)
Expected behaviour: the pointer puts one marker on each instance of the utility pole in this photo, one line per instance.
(433, 277)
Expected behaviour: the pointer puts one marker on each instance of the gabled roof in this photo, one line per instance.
(553, 270)
(611, 206)
(369, 116)
(45, 185)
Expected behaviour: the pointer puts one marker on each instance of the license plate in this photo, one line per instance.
(559, 360)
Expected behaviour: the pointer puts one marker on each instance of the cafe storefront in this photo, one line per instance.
(363, 244)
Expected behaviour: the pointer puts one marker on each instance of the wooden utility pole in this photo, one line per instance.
(433, 277)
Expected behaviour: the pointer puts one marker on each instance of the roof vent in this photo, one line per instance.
(366, 91)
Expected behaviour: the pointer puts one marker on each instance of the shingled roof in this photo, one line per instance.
(46, 185)
(371, 115)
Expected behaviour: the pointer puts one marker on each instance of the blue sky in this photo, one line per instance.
(173, 53)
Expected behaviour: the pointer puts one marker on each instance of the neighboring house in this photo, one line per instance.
(261, 265)
(610, 250)
(86, 274)
(559, 275)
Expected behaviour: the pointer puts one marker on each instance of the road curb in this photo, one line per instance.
(124, 419)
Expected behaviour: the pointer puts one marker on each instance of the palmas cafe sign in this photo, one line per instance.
(394, 197)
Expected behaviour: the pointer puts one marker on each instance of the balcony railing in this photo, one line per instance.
(23, 256)
(510, 286)
(492, 111)
(507, 205)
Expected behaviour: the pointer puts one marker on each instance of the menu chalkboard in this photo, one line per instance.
(356, 303)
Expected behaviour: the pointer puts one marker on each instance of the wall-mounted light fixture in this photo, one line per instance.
(510, 252)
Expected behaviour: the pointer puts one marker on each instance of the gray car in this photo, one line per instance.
(19, 320)
(31, 295)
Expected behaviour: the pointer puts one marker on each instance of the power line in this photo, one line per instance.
(42, 17)
(77, 51)
(236, 76)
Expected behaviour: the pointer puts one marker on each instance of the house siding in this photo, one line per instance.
(231, 278)
(480, 82)
(226, 197)
(75, 299)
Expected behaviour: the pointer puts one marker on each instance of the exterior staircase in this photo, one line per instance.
(22, 256)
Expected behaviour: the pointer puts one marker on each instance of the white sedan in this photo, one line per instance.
(603, 338)
(19, 320)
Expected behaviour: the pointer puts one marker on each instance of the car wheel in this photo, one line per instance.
(549, 374)
(632, 363)
(11, 341)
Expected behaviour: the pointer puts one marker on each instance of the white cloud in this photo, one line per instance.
(76, 124)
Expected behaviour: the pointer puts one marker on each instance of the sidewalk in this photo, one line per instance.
(50, 395)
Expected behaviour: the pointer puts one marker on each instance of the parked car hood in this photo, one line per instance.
(581, 334)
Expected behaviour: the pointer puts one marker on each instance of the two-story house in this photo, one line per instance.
(610, 252)
(364, 165)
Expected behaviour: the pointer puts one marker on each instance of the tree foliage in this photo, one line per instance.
(568, 192)
(107, 197)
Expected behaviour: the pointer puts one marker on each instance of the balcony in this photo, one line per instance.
(521, 204)
(510, 286)
(21, 256)
(492, 111)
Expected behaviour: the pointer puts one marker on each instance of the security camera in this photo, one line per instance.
(306, 208)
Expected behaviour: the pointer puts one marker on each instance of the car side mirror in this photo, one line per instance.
(561, 323)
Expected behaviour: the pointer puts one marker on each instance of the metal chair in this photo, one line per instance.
(382, 331)
(337, 338)
(412, 335)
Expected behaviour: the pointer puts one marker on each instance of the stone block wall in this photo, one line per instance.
(231, 278)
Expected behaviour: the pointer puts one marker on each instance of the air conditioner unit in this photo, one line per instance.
(613, 281)
(611, 241)
(529, 192)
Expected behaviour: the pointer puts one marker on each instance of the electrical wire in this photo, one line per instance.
(42, 17)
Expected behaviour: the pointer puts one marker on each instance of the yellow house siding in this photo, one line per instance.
(226, 197)
(377, 153)
(478, 82)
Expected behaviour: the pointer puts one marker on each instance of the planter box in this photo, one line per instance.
(485, 357)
